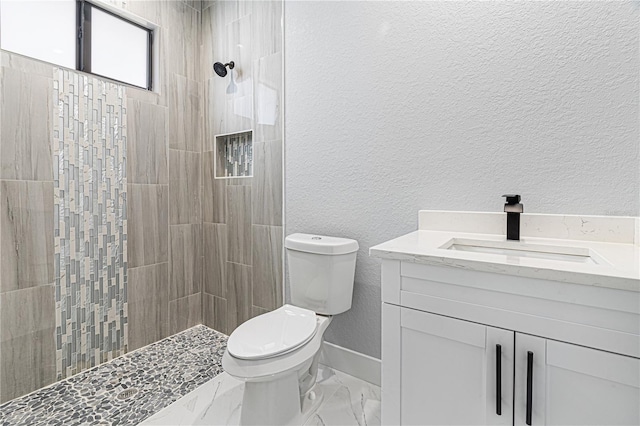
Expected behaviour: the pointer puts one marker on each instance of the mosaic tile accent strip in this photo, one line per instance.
(90, 224)
(161, 373)
(235, 153)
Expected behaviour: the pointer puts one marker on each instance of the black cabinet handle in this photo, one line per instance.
(499, 380)
(529, 386)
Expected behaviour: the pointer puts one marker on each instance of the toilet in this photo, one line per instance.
(276, 353)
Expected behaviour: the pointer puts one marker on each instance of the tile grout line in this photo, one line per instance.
(26, 180)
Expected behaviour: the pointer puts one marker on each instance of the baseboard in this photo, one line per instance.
(351, 362)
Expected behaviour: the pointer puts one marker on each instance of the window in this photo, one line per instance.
(44, 30)
(81, 35)
(114, 47)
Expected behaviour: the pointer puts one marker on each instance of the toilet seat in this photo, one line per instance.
(272, 334)
(268, 368)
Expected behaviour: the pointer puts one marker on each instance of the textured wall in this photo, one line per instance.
(392, 107)
(242, 217)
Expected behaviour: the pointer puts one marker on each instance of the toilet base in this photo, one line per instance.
(278, 401)
(280, 390)
(310, 403)
(274, 402)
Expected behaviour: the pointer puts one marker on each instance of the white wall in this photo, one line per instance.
(392, 107)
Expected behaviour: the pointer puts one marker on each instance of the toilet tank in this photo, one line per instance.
(321, 272)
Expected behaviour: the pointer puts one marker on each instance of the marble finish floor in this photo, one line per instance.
(347, 401)
(128, 389)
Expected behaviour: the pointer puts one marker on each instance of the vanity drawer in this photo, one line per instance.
(593, 316)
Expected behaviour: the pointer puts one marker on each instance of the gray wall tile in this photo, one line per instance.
(25, 311)
(212, 87)
(255, 311)
(267, 266)
(226, 12)
(183, 33)
(151, 98)
(25, 64)
(226, 113)
(147, 150)
(228, 35)
(147, 97)
(184, 114)
(208, 55)
(215, 312)
(25, 134)
(266, 22)
(238, 295)
(215, 259)
(26, 247)
(239, 224)
(148, 9)
(28, 363)
(148, 298)
(163, 40)
(207, 4)
(196, 4)
(267, 183)
(268, 98)
(239, 47)
(214, 195)
(185, 313)
(242, 181)
(256, 26)
(184, 184)
(27, 341)
(185, 266)
(148, 224)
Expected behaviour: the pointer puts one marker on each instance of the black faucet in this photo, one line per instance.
(513, 208)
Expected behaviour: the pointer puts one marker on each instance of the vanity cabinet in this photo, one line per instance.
(464, 347)
(574, 385)
(447, 371)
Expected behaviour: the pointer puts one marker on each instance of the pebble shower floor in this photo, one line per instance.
(128, 389)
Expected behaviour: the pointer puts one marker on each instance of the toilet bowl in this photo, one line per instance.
(276, 353)
(278, 378)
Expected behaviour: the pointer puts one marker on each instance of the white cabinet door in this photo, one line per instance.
(447, 370)
(574, 385)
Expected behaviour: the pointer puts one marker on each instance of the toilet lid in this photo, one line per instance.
(273, 333)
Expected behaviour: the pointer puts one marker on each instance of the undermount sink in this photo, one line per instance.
(522, 249)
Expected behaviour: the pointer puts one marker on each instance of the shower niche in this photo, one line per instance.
(234, 155)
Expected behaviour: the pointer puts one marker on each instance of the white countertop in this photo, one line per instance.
(621, 269)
